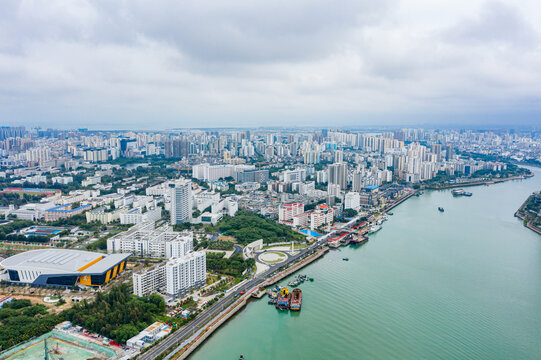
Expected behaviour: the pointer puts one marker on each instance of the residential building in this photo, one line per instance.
(149, 280)
(286, 212)
(185, 273)
(181, 201)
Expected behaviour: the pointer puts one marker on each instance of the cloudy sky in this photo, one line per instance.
(164, 64)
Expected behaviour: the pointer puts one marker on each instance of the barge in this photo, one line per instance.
(296, 300)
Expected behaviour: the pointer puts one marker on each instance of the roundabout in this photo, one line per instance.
(272, 257)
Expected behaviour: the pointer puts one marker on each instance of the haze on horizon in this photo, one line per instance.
(169, 64)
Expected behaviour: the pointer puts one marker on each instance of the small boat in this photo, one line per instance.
(345, 259)
(241, 357)
(390, 213)
(440, 209)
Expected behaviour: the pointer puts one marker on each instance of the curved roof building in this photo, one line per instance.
(64, 267)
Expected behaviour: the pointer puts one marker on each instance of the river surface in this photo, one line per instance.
(463, 284)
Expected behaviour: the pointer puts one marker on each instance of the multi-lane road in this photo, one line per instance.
(179, 336)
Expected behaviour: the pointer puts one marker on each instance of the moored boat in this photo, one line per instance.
(282, 302)
(457, 192)
(359, 240)
(296, 300)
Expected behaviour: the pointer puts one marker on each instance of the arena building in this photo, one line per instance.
(63, 267)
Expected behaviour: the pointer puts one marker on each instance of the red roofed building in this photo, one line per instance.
(322, 215)
(287, 212)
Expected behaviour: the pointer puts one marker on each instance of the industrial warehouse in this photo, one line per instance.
(62, 267)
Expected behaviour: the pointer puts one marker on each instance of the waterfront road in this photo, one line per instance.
(183, 333)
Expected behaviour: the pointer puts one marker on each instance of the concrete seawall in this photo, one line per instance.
(192, 346)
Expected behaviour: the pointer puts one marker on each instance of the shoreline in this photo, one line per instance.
(184, 351)
(519, 215)
(478, 183)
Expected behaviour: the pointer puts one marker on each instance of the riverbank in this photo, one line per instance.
(428, 285)
(530, 218)
(477, 183)
(191, 344)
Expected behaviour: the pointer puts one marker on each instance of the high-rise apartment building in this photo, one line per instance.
(181, 201)
(185, 273)
(338, 174)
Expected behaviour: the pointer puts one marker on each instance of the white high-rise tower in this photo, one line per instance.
(181, 201)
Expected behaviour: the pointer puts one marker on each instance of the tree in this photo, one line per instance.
(350, 213)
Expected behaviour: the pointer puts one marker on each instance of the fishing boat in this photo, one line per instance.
(296, 300)
(293, 283)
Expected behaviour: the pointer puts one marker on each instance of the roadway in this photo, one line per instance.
(183, 333)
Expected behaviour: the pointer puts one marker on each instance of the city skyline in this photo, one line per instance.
(136, 66)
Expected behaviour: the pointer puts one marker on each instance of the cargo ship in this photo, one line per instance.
(296, 300)
(282, 301)
(358, 240)
(460, 192)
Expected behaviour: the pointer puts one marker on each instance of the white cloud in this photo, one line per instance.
(170, 63)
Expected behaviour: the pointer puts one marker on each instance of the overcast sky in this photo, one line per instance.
(164, 64)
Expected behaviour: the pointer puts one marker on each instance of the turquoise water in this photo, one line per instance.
(463, 284)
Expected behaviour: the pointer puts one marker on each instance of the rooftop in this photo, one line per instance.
(63, 260)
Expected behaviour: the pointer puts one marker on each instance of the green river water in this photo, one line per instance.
(463, 284)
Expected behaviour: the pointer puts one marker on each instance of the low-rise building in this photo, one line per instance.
(104, 214)
(64, 211)
(138, 216)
